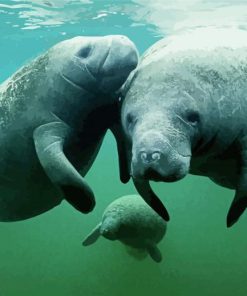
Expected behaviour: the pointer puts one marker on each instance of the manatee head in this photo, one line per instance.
(109, 228)
(97, 64)
(163, 119)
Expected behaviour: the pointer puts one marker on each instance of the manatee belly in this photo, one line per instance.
(25, 190)
(18, 202)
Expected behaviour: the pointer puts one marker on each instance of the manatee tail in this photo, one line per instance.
(154, 253)
(93, 236)
(138, 254)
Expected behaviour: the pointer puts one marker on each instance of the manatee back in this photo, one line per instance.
(215, 55)
(209, 65)
(138, 223)
(207, 39)
(207, 51)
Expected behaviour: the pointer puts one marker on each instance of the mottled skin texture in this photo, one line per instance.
(130, 220)
(54, 113)
(185, 111)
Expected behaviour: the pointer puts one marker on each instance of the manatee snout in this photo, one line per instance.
(109, 228)
(107, 233)
(121, 59)
(154, 158)
(121, 48)
(100, 64)
(110, 61)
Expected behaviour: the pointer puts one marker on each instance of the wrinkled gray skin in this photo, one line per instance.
(54, 113)
(185, 111)
(130, 220)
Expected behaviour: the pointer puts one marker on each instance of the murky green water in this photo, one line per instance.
(43, 255)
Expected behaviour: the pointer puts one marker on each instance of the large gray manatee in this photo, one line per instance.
(54, 113)
(185, 111)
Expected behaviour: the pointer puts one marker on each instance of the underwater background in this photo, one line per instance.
(43, 255)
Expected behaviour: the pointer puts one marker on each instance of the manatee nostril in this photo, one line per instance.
(150, 157)
(84, 52)
(156, 156)
(143, 156)
(105, 231)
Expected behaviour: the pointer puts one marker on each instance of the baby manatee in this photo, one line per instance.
(134, 223)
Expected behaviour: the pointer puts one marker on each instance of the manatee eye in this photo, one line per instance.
(130, 121)
(129, 118)
(193, 117)
(85, 51)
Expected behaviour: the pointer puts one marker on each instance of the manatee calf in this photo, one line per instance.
(54, 113)
(185, 111)
(130, 220)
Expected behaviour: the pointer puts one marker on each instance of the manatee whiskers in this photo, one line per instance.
(74, 84)
(84, 67)
(184, 121)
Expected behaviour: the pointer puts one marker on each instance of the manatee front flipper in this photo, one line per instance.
(144, 189)
(93, 236)
(237, 208)
(154, 253)
(117, 130)
(123, 158)
(239, 203)
(49, 140)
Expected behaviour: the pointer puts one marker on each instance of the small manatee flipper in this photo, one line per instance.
(154, 253)
(144, 189)
(49, 140)
(239, 203)
(93, 236)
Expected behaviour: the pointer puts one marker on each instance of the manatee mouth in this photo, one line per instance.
(73, 83)
(151, 174)
(107, 233)
(158, 167)
(104, 59)
(155, 176)
(154, 157)
(81, 79)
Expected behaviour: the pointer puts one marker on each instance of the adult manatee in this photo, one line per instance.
(185, 111)
(54, 113)
(131, 221)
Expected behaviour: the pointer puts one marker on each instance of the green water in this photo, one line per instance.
(44, 255)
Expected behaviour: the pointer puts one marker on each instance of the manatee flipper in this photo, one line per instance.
(123, 159)
(237, 208)
(144, 189)
(154, 253)
(239, 203)
(93, 236)
(117, 130)
(49, 140)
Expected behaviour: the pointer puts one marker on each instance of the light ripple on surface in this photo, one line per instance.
(166, 16)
